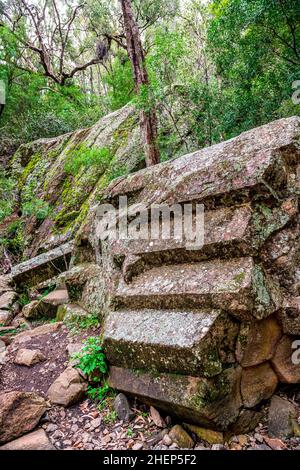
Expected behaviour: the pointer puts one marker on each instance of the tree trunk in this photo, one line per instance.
(148, 119)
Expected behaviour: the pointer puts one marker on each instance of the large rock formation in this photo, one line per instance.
(43, 182)
(205, 334)
(199, 333)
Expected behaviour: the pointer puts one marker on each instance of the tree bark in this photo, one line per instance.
(148, 118)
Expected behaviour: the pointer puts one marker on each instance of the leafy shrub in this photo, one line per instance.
(86, 157)
(92, 360)
(6, 195)
(36, 207)
(98, 393)
(14, 241)
(110, 417)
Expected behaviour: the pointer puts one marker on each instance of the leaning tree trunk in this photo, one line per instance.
(148, 119)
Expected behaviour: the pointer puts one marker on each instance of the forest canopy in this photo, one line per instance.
(216, 68)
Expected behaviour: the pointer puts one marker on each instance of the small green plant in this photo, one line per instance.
(130, 432)
(74, 322)
(86, 157)
(98, 393)
(36, 207)
(110, 417)
(92, 360)
(90, 321)
(24, 299)
(6, 195)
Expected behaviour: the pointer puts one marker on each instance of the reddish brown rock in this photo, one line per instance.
(36, 440)
(212, 403)
(246, 162)
(7, 299)
(43, 266)
(29, 357)
(47, 306)
(181, 437)
(247, 421)
(5, 317)
(38, 331)
(5, 283)
(207, 435)
(258, 383)
(282, 414)
(286, 361)
(20, 412)
(257, 342)
(67, 389)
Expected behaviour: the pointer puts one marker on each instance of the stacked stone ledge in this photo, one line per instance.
(206, 335)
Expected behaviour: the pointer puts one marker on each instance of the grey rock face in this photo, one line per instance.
(203, 334)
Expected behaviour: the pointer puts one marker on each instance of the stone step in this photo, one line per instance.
(228, 232)
(212, 403)
(256, 162)
(237, 286)
(186, 342)
(43, 267)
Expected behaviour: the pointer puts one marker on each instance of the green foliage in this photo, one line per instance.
(36, 207)
(99, 394)
(255, 49)
(24, 299)
(110, 417)
(120, 82)
(14, 241)
(85, 157)
(92, 360)
(89, 321)
(216, 68)
(7, 187)
(130, 432)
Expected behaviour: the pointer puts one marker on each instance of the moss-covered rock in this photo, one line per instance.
(53, 201)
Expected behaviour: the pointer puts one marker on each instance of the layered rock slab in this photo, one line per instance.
(43, 266)
(213, 403)
(36, 440)
(237, 286)
(255, 162)
(248, 186)
(186, 342)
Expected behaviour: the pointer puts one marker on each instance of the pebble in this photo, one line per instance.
(95, 423)
(51, 427)
(137, 446)
(259, 438)
(167, 440)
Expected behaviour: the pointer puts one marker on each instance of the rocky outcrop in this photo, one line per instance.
(42, 267)
(29, 357)
(44, 180)
(199, 333)
(205, 334)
